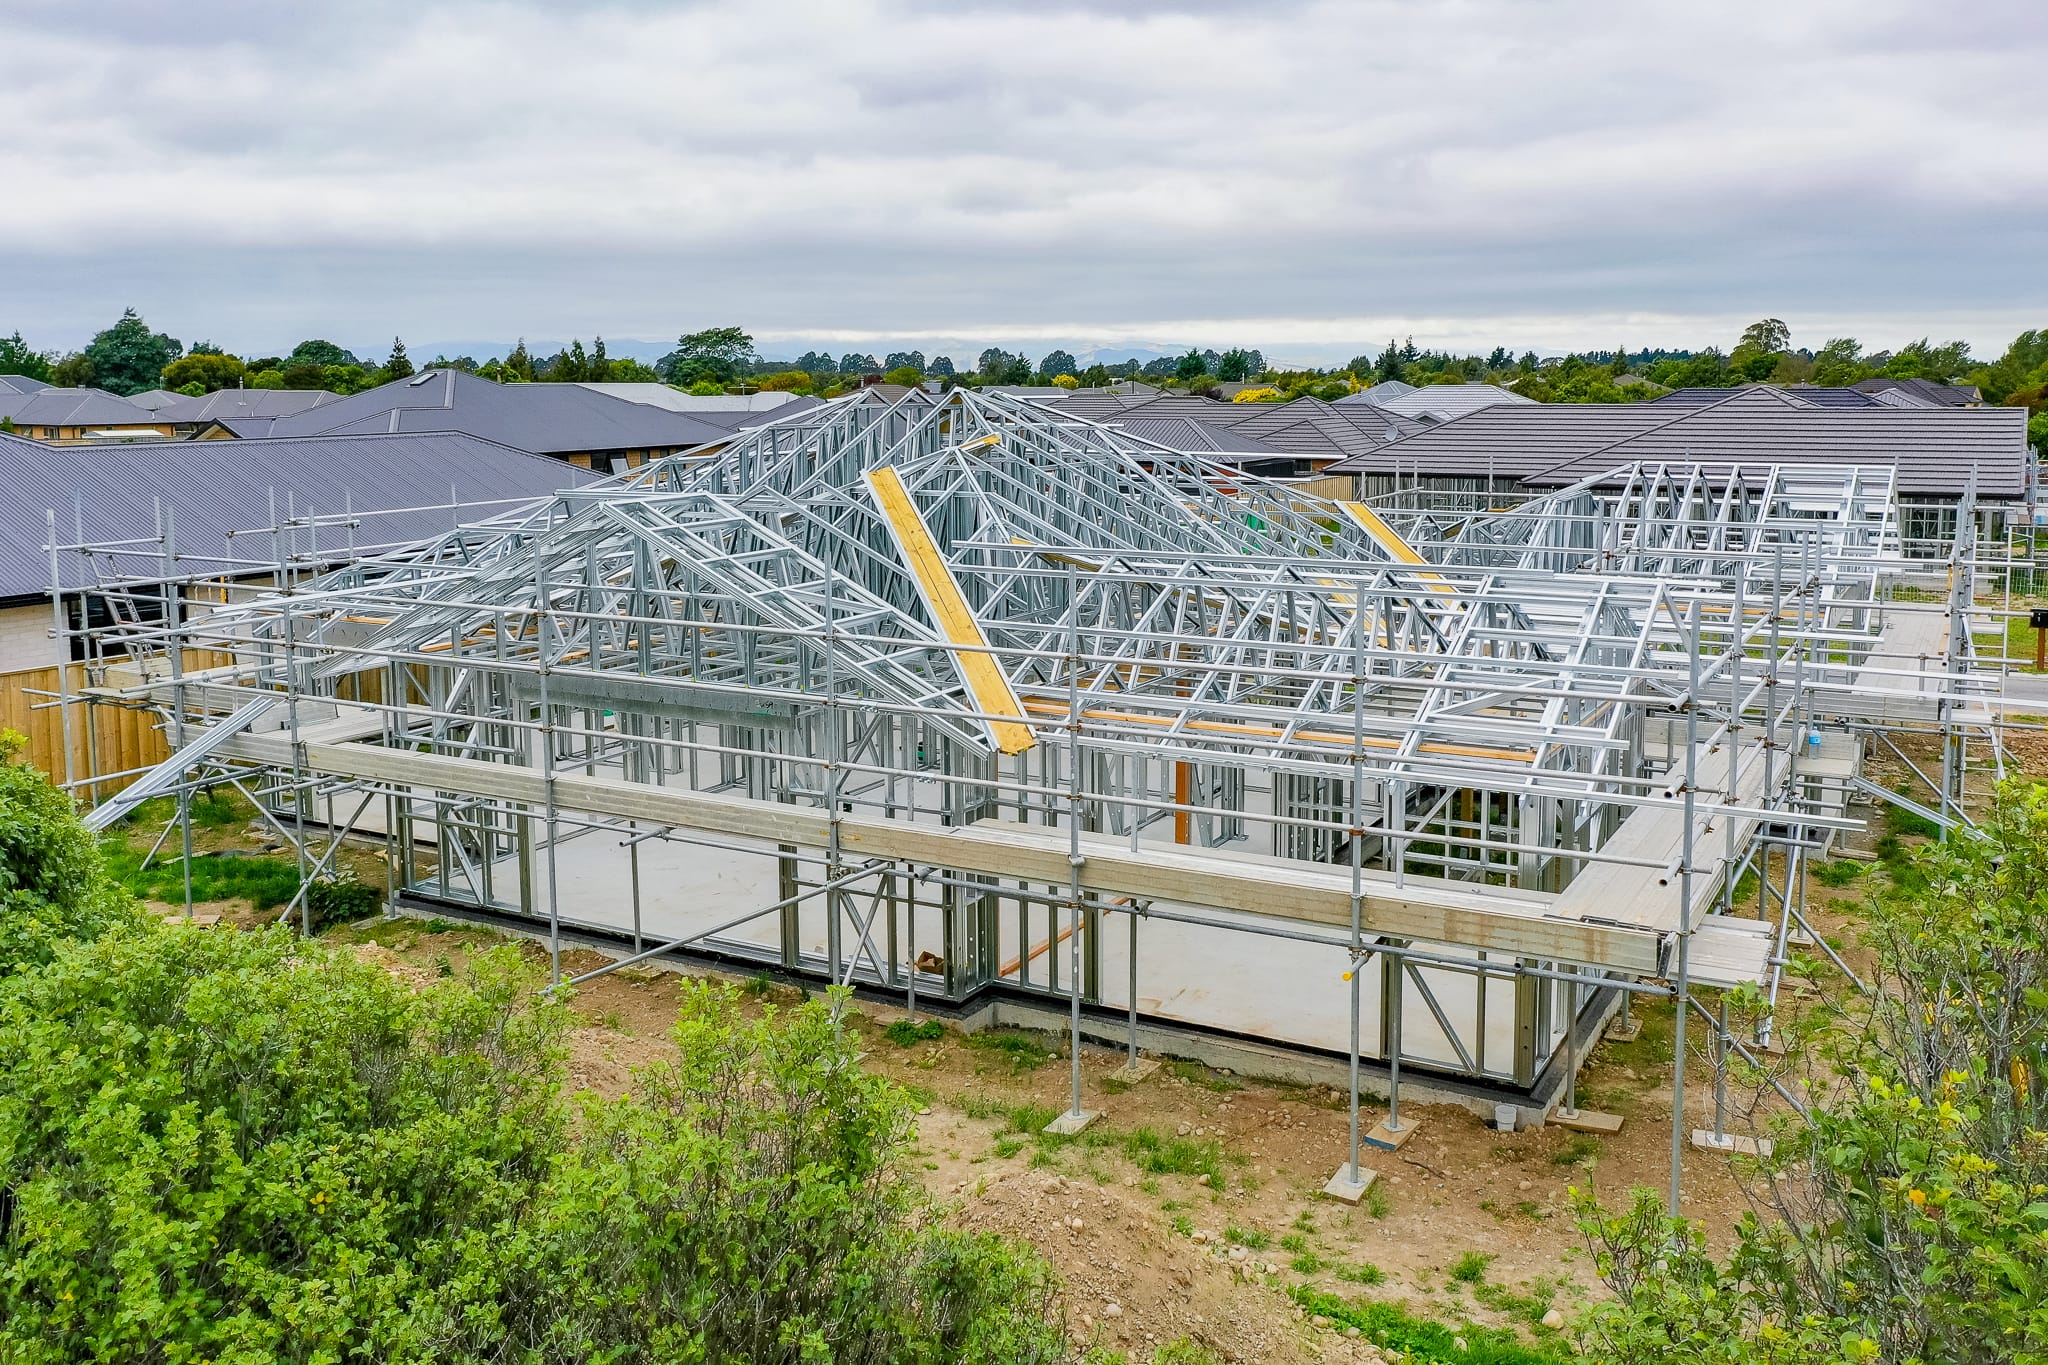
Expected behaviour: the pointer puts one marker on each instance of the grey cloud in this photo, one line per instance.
(912, 168)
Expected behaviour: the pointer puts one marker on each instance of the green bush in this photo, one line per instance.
(1907, 1219)
(53, 884)
(247, 1147)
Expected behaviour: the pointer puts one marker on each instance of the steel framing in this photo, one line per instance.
(974, 678)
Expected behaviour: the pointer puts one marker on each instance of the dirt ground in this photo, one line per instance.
(1193, 1206)
(1148, 1256)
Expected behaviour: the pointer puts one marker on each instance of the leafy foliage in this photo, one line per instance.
(208, 370)
(1907, 1220)
(128, 358)
(53, 886)
(249, 1147)
(18, 357)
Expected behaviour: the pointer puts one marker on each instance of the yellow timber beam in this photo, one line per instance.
(955, 619)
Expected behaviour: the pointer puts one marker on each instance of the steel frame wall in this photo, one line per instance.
(975, 665)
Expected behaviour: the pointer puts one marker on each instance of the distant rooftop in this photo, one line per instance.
(216, 487)
(543, 419)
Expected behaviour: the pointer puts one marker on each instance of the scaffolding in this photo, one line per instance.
(966, 699)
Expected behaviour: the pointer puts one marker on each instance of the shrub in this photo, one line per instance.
(53, 883)
(1907, 1217)
(1261, 395)
(249, 1147)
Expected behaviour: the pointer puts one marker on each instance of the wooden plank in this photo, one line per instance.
(1488, 918)
(948, 605)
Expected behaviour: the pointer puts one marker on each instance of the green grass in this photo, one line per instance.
(210, 810)
(264, 882)
(1307, 1263)
(1470, 1267)
(1154, 1154)
(1294, 1241)
(1421, 1342)
(1363, 1272)
(1023, 1051)
(1529, 1307)
(903, 1033)
(1840, 872)
(1194, 1073)
(1579, 1149)
(1250, 1238)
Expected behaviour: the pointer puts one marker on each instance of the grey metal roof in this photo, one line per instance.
(544, 419)
(1449, 401)
(1944, 395)
(1935, 450)
(214, 487)
(54, 407)
(1379, 393)
(700, 404)
(1095, 405)
(1187, 435)
(1815, 395)
(225, 405)
(20, 383)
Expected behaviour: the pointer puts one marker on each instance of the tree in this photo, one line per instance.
(1190, 367)
(1017, 371)
(1943, 364)
(717, 354)
(941, 367)
(908, 375)
(267, 379)
(2023, 366)
(208, 369)
(1388, 366)
(1058, 363)
(1903, 1220)
(399, 365)
(1768, 336)
(74, 371)
(17, 358)
(787, 381)
(900, 360)
(854, 362)
(302, 374)
(318, 352)
(1839, 363)
(1235, 366)
(128, 358)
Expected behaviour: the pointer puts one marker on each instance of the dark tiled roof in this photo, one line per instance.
(1935, 450)
(214, 487)
(1187, 435)
(544, 419)
(229, 404)
(1946, 395)
(1813, 394)
(54, 407)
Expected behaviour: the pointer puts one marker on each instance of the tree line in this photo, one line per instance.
(129, 357)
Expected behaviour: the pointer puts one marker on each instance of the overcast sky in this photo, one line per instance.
(1308, 178)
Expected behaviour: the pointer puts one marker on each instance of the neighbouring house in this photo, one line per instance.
(341, 496)
(44, 412)
(1445, 401)
(1924, 390)
(1507, 451)
(731, 410)
(1296, 440)
(574, 423)
(228, 413)
(1379, 393)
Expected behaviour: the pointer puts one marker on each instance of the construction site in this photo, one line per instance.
(1004, 715)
